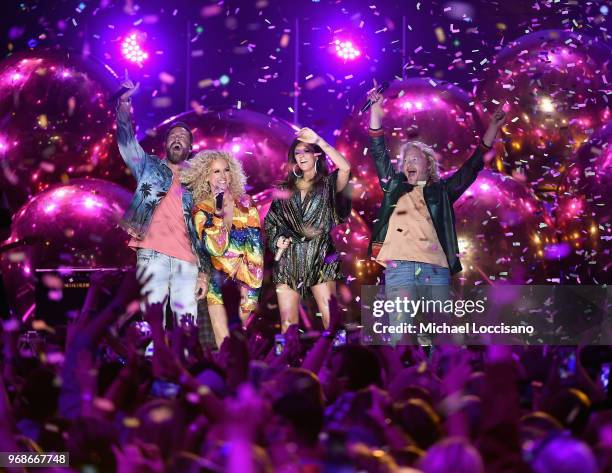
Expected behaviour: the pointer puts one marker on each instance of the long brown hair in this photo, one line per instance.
(321, 165)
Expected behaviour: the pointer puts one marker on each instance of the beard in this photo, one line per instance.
(176, 156)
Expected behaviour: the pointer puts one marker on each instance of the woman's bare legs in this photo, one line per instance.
(218, 318)
(322, 294)
(288, 305)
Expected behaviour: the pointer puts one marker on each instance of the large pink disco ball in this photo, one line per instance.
(583, 218)
(65, 226)
(436, 113)
(260, 142)
(555, 83)
(55, 122)
(351, 241)
(502, 231)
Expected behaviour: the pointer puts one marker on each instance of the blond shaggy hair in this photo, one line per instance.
(428, 152)
(197, 171)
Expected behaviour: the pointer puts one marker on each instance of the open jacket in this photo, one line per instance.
(439, 196)
(153, 180)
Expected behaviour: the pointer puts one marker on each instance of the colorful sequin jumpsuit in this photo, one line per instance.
(236, 253)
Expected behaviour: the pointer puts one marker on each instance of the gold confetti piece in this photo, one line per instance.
(41, 324)
(440, 36)
(204, 391)
(161, 414)
(131, 422)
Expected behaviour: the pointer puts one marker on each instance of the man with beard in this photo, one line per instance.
(159, 216)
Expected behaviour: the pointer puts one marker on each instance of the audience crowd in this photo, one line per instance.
(96, 390)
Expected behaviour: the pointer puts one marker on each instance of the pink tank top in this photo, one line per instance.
(167, 233)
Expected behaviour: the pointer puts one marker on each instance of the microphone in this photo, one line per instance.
(381, 88)
(219, 202)
(113, 98)
(280, 251)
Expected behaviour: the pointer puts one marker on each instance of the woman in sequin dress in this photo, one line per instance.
(231, 234)
(309, 204)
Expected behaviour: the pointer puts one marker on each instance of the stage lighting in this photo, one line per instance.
(346, 50)
(546, 105)
(132, 51)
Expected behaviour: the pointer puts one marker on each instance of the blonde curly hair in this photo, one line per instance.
(428, 152)
(197, 171)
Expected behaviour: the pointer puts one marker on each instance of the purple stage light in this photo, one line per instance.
(132, 51)
(346, 50)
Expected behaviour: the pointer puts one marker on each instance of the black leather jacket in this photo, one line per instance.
(439, 196)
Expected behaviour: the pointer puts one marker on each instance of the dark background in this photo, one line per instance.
(242, 39)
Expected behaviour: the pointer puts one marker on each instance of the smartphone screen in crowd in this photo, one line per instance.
(279, 343)
(340, 338)
(164, 389)
(604, 376)
(567, 363)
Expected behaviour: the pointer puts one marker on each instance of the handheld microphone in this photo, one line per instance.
(219, 201)
(113, 98)
(381, 88)
(280, 251)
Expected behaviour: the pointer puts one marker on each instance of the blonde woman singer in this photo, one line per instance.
(227, 224)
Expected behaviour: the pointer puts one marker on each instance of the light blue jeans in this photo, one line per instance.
(412, 273)
(414, 280)
(170, 277)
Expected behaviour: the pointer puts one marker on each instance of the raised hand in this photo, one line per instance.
(499, 116)
(154, 314)
(376, 110)
(307, 135)
(458, 372)
(128, 84)
(247, 412)
(497, 120)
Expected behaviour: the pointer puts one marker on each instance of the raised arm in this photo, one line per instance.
(378, 147)
(129, 148)
(344, 167)
(459, 182)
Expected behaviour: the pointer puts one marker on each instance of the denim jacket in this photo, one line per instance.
(153, 178)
